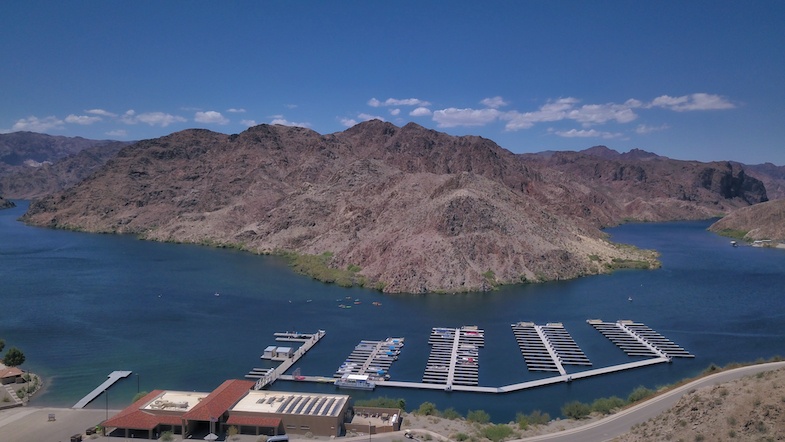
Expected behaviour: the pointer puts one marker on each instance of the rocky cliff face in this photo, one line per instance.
(415, 209)
(645, 187)
(6, 204)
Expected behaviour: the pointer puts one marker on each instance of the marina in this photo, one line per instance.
(637, 339)
(453, 363)
(113, 377)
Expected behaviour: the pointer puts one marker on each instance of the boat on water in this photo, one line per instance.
(355, 382)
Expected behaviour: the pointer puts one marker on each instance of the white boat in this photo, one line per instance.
(355, 382)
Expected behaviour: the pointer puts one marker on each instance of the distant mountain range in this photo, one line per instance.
(402, 209)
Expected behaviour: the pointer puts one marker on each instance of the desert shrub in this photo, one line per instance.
(451, 414)
(639, 394)
(496, 432)
(460, 437)
(478, 416)
(167, 436)
(606, 405)
(576, 410)
(427, 409)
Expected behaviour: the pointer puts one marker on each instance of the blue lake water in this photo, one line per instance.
(83, 305)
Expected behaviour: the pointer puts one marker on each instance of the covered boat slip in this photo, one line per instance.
(372, 358)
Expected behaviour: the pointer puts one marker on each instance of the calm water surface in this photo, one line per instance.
(83, 305)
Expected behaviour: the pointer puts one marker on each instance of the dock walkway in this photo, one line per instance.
(113, 377)
(272, 375)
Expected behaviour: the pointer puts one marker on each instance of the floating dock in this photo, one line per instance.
(113, 377)
(454, 357)
(272, 375)
(548, 347)
(637, 339)
(372, 358)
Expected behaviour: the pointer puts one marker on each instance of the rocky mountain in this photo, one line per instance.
(405, 208)
(34, 181)
(415, 209)
(761, 221)
(643, 186)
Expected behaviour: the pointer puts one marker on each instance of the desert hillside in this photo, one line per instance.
(758, 222)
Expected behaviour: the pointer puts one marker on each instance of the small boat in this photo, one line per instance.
(217, 294)
(629, 299)
(734, 244)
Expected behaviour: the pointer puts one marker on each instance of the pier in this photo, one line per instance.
(113, 377)
(270, 376)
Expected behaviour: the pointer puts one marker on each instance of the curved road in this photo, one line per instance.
(620, 423)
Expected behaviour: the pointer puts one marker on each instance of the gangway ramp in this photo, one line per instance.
(113, 377)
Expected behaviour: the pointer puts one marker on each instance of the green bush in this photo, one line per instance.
(576, 410)
(478, 416)
(167, 436)
(460, 437)
(427, 409)
(497, 433)
(607, 405)
(640, 393)
(451, 414)
(139, 395)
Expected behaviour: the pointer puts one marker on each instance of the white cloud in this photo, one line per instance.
(369, 117)
(210, 117)
(395, 111)
(591, 133)
(152, 118)
(348, 122)
(452, 117)
(35, 124)
(602, 113)
(373, 102)
(551, 111)
(291, 106)
(248, 123)
(644, 129)
(122, 133)
(101, 112)
(284, 122)
(420, 112)
(693, 102)
(494, 102)
(82, 119)
(235, 110)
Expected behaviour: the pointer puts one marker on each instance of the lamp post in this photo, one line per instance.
(137, 383)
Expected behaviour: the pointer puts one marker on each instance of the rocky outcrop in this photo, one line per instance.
(6, 204)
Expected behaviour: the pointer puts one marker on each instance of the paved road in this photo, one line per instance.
(620, 423)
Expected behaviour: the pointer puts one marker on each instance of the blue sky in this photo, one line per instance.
(701, 80)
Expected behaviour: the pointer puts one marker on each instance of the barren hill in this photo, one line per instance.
(406, 208)
(761, 221)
